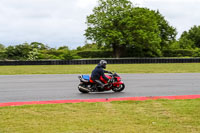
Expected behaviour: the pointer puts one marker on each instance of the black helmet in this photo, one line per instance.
(103, 64)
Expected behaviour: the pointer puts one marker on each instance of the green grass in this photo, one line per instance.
(158, 116)
(83, 69)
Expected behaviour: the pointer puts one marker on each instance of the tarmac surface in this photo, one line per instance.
(18, 88)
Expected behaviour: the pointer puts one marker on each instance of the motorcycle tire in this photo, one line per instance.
(119, 89)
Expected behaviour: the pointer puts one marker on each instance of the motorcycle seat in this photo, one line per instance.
(85, 78)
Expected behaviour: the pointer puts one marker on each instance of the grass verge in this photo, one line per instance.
(83, 69)
(153, 116)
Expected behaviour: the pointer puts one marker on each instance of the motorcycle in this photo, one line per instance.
(87, 85)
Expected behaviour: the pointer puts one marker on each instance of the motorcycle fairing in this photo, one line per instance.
(103, 80)
(118, 83)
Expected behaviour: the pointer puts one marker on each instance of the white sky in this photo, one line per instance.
(62, 22)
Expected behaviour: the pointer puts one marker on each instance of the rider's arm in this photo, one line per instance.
(106, 71)
(103, 75)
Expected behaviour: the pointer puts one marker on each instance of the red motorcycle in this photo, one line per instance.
(87, 85)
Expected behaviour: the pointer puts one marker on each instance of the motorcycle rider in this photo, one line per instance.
(98, 72)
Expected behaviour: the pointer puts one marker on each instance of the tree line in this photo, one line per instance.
(40, 51)
(117, 28)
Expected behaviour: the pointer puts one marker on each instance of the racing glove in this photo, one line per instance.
(109, 72)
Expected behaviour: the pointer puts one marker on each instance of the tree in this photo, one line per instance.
(63, 48)
(2, 51)
(167, 33)
(143, 32)
(190, 39)
(20, 51)
(104, 26)
(33, 55)
(2, 47)
(118, 25)
(39, 46)
(65, 53)
(155, 33)
(186, 43)
(87, 46)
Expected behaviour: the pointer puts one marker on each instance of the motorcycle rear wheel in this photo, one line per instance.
(119, 89)
(81, 88)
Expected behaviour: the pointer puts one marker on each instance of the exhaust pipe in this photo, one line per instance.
(83, 88)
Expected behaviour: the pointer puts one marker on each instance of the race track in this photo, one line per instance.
(17, 88)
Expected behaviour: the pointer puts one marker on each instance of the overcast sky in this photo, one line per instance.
(62, 22)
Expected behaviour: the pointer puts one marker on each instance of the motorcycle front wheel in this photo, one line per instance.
(119, 89)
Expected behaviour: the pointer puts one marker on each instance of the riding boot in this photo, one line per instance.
(100, 84)
(102, 88)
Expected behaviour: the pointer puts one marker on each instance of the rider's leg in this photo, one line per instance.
(100, 83)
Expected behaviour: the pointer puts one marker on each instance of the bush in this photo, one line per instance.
(95, 54)
(197, 53)
(178, 53)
